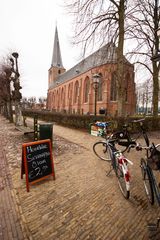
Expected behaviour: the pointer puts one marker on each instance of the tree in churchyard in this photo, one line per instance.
(42, 102)
(145, 23)
(144, 96)
(32, 102)
(100, 22)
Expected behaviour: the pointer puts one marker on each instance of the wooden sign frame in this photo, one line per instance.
(25, 161)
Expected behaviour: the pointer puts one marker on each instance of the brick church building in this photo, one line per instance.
(73, 91)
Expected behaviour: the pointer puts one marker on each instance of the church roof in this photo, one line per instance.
(106, 54)
(56, 57)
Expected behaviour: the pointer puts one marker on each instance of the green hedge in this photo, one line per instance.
(83, 121)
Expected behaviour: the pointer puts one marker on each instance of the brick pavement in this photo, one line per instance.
(10, 223)
(82, 203)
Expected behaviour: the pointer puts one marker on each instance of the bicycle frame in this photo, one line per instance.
(133, 142)
(154, 185)
(151, 174)
(120, 164)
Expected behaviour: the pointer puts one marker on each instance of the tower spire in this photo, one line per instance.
(56, 57)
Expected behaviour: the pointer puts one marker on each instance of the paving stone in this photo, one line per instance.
(82, 203)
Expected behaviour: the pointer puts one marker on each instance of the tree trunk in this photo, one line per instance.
(120, 61)
(155, 89)
(18, 114)
(10, 113)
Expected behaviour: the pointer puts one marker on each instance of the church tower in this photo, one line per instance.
(56, 64)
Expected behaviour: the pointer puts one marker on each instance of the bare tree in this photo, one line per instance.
(5, 91)
(145, 23)
(42, 102)
(98, 22)
(144, 95)
(32, 101)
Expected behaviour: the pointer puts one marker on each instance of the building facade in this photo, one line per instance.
(73, 91)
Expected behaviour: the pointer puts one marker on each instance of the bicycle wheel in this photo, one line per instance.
(101, 150)
(123, 181)
(147, 181)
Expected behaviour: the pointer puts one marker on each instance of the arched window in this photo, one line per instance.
(76, 89)
(54, 104)
(86, 89)
(113, 90)
(99, 94)
(70, 94)
(52, 100)
(63, 97)
(50, 76)
(57, 99)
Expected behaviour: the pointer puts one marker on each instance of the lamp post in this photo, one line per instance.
(16, 95)
(96, 78)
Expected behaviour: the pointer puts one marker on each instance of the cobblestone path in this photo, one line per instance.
(10, 222)
(82, 203)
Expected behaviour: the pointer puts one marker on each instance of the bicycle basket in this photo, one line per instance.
(154, 159)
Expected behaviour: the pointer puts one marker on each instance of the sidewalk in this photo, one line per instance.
(81, 204)
(10, 223)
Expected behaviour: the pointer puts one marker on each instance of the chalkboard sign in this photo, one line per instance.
(37, 161)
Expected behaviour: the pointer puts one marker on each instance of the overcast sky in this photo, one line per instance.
(28, 27)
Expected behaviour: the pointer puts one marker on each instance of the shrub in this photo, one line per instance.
(84, 121)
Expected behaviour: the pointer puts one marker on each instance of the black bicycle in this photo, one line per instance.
(149, 167)
(122, 141)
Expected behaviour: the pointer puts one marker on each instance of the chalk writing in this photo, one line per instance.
(37, 161)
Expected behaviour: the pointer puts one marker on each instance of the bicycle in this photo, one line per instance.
(119, 163)
(149, 165)
(100, 148)
(122, 141)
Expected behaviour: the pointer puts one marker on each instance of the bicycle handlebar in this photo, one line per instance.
(138, 147)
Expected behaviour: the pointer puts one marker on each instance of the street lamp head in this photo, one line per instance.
(15, 54)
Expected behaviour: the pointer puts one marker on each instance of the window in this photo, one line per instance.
(99, 93)
(50, 76)
(113, 90)
(86, 89)
(76, 89)
(63, 97)
(70, 94)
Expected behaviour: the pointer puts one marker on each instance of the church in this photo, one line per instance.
(76, 92)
